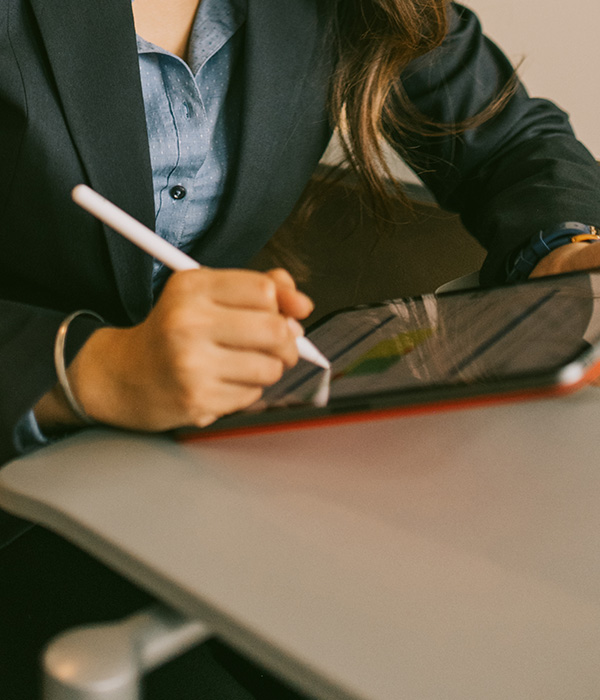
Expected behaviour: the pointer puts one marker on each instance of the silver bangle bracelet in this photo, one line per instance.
(59, 364)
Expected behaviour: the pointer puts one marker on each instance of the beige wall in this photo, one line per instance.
(560, 43)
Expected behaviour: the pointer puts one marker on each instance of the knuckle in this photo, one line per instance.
(278, 372)
(192, 321)
(292, 357)
(188, 287)
(267, 289)
(203, 420)
(192, 377)
(282, 276)
(185, 282)
(184, 363)
(174, 319)
(252, 395)
(194, 400)
(273, 371)
(277, 331)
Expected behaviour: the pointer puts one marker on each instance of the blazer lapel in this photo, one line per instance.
(93, 57)
(283, 80)
(284, 85)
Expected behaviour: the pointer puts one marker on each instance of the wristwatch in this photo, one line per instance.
(520, 265)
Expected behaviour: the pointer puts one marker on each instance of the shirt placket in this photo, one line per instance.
(189, 147)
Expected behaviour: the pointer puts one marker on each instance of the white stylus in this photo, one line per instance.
(162, 250)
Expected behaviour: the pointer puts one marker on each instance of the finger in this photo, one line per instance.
(281, 277)
(204, 421)
(296, 328)
(227, 398)
(234, 288)
(256, 331)
(294, 303)
(249, 368)
(226, 365)
(291, 301)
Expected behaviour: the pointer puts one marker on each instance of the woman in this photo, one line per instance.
(207, 127)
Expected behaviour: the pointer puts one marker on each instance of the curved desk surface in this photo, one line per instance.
(437, 556)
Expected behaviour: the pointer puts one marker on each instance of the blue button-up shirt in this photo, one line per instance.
(191, 117)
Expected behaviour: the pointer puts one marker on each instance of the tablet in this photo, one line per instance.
(540, 338)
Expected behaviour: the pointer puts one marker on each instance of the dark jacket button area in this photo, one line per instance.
(178, 192)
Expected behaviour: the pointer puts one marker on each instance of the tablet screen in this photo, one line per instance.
(478, 337)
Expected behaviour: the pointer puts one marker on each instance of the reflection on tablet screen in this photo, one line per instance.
(469, 338)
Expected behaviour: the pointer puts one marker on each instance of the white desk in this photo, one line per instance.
(452, 556)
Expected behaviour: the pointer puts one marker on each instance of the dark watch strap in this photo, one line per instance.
(521, 264)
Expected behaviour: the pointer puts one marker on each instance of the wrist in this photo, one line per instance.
(60, 408)
(53, 413)
(88, 382)
(543, 244)
(99, 375)
(563, 259)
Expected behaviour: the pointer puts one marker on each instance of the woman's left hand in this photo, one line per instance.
(568, 258)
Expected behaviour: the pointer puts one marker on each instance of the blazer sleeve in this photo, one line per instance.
(521, 171)
(27, 335)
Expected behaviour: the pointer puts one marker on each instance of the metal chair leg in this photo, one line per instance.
(106, 662)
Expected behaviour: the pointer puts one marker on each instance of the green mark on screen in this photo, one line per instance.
(386, 353)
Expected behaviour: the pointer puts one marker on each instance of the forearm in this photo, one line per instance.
(27, 336)
(521, 171)
(535, 188)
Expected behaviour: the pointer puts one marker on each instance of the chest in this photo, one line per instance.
(167, 24)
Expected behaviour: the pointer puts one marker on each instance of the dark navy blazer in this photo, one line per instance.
(71, 110)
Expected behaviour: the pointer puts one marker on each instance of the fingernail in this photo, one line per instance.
(309, 301)
(295, 327)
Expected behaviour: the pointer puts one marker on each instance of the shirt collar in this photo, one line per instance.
(215, 23)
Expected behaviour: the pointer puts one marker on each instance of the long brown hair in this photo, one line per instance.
(375, 41)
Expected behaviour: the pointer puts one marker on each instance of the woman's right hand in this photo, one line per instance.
(214, 340)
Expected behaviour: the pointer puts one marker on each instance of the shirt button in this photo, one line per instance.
(178, 192)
